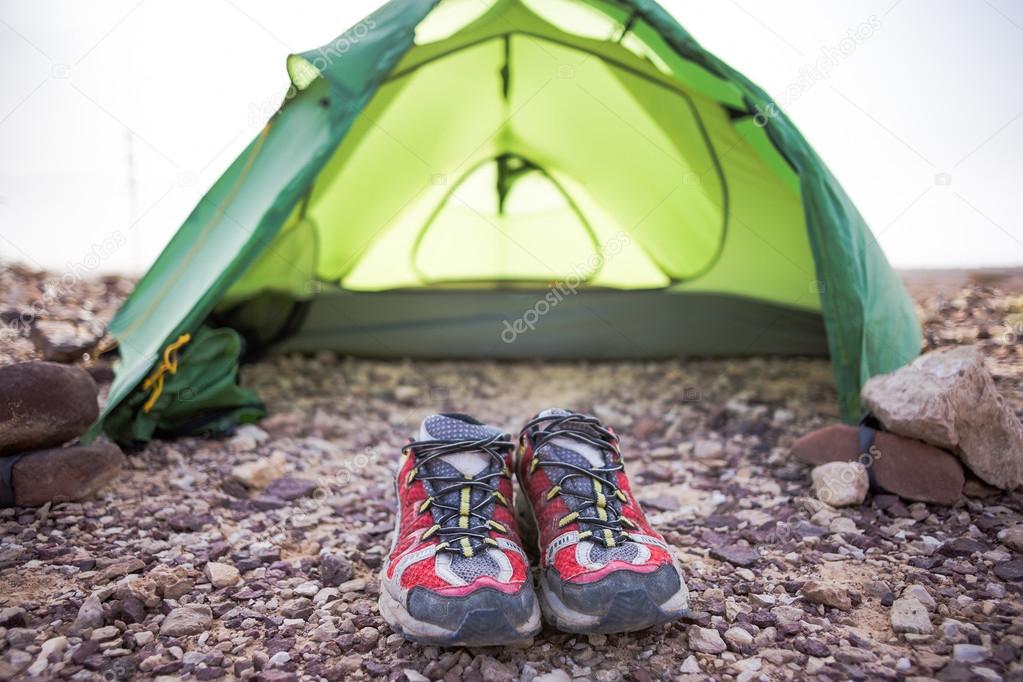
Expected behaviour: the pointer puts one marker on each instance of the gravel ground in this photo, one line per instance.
(141, 582)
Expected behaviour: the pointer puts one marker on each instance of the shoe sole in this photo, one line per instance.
(478, 627)
(628, 610)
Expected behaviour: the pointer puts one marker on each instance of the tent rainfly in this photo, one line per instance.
(515, 179)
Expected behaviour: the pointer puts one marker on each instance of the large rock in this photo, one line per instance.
(908, 467)
(65, 474)
(43, 404)
(948, 398)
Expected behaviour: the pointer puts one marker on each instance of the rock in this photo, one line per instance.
(827, 594)
(120, 568)
(307, 589)
(366, 639)
(969, 653)
(50, 651)
(325, 595)
(661, 502)
(1012, 538)
(910, 468)
(738, 637)
(739, 555)
(297, 608)
(840, 484)
(176, 588)
(63, 340)
(787, 615)
(556, 675)
(187, 620)
(210, 673)
(325, 632)
(65, 474)
(920, 593)
(1010, 570)
(812, 647)
(260, 473)
(221, 575)
(978, 489)
(247, 437)
(406, 394)
(843, 525)
(84, 650)
(948, 398)
(104, 633)
(291, 487)
(779, 656)
(279, 659)
(354, 585)
(708, 449)
(909, 615)
(13, 663)
(690, 666)
(493, 669)
(43, 404)
(268, 503)
(853, 656)
(334, 569)
(189, 523)
(413, 676)
(132, 610)
(90, 614)
(12, 616)
(705, 640)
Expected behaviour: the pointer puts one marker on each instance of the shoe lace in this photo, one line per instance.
(463, 528)
(603, 515)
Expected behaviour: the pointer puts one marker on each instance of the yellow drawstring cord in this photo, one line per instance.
(169, 365)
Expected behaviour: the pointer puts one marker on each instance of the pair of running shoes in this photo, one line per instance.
(458, 573)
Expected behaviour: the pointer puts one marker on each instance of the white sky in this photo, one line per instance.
(922, 122)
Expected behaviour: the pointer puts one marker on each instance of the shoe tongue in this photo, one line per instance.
(458, 427)
(592, 454)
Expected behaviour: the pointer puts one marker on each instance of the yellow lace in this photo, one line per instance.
(169, 366)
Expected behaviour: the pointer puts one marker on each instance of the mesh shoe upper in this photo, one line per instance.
(589, 522)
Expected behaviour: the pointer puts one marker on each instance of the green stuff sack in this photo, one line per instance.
(192, 391)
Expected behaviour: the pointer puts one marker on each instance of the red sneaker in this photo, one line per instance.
(457, 574)
(602, 567)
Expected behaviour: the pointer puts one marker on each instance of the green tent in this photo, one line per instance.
(524, 179)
